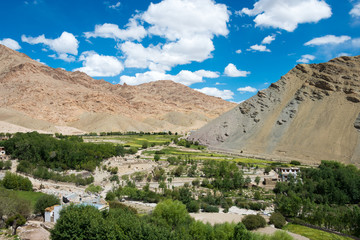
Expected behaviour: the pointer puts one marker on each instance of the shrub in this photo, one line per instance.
(110, 196)
(156, 157)
(193, 206)
(252, 222)
(296, 163)
(44, 202)
(93, 188)
(278, 220)
(210, 208)
(17, 182)
(241, 233)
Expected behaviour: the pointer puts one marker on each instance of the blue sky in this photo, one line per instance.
(230, 49)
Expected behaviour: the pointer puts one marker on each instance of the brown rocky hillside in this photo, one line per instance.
(311, 113)
(35, 96)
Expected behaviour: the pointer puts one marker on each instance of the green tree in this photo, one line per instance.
(252, 222)
(277, 219)
(241, 233)
(15, 221)
(156, 157)
(257, 180)
(44, 202)
(247, 181)
(171, 213)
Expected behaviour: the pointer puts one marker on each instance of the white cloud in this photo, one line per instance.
(133, 31)
(96, 65)
(247, 89)
(115, 6)
(188, 27)
(232, 71)
(63, 56)
(355, 11)
(66, 43)
(10, 43)
(268, 39)
(328, 39)
(224, 94)
(259, 48)
(184, 77)
(238, 51)
(219, 83)
(38, 60)
(306, 58)
(287, 14)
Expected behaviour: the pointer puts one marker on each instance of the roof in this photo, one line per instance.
(50, 209)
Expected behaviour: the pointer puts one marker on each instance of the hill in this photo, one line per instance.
(311, 113)
(35, 96)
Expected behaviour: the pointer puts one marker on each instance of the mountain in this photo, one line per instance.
(35, 96)
(311, 114)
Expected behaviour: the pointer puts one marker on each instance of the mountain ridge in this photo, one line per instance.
(309, 114)
(65, 98)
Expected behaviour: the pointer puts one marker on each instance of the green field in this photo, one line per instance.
(30, 196)
(133, 140)
(313, 234)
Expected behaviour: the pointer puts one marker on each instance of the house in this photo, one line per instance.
(3, 155)
(285, 172)
(52, 214)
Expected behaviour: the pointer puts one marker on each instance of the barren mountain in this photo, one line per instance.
(35, 96)
(311, 113)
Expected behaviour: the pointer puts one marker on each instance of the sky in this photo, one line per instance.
(224, 48)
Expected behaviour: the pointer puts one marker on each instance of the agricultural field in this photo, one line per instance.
(313, 234)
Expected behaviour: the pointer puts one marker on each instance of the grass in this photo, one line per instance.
(313, 234)
(136, 140)
(30, 196)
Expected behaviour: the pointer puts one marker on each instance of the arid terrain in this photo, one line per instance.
(311, 113)
(38, 97)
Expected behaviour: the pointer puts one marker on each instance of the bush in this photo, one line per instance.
(252, 222)
(296, 163)
(193, 206)
(277, 219)
(44, 202)
(93, 188)
(210, 208)
(156, 157)
(110, 196)
(16, 182)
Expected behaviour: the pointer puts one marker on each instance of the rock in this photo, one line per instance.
(357, 122)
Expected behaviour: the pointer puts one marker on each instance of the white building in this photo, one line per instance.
(285, 172)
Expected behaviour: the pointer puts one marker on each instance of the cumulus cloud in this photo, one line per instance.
(268, 39)
(258, 48)
(63, 56)
(133, 31)
(232, 71)
(238, 51)
(184, 77)
(10, 43)
(188, 27)
(66, 43)
(287, 14)
(247, 89)
(355, 11)
(328, 39)
(96, 65)
(306, 58)
(224, 94)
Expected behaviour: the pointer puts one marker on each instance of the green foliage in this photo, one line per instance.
(52, 153)
(93, 188)
(110, 196)
(210, 208)
(156, 157)
(252, 222)
(15, 221)
(171, 213)
(278, 220)
(193, 206)
(294, 162)
(313, 234)
(44, 202)
(241, 233)
(12, 204)
(16, 182)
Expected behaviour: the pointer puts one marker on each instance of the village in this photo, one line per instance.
(140, 169)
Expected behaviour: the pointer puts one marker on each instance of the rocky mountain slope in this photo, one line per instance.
(35, 96)
(311, 113)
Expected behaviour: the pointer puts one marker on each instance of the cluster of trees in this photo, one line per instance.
(226, 175)
(16, 182)
(129, 133)
(66, 153)
(188, 144)
(169, 220)
(325, 196)
(5, 165)
(42, 172)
